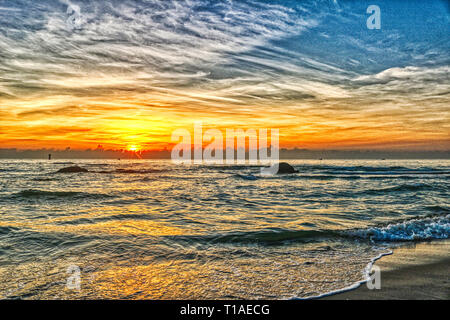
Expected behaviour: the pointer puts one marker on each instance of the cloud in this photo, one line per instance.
(406, 73)
(172, 43)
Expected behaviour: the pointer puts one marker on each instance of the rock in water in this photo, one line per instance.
(74, 169)
(285, 167)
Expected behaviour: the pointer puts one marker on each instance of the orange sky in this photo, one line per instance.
(122, 122)
(132, 78)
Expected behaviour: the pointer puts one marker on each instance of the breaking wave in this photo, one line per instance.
(427, 228)
(412, 230)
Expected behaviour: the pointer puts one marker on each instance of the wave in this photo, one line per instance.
(94, 220)
(45, 179)
(231, 167)
(132, 171)
(375, 169)
(408, 188)
(323, 177)
(438, 208)
(428, 228)
(264, 237)
(351, 176)
(401, 173)
(33, 193)
(138, 171)
(246, 177)
(7, 230)
(355, 168)
(399, 176)
(371, 170)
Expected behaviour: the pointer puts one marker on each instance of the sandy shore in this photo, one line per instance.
(414, 271)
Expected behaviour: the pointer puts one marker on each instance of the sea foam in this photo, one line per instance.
(427, 228)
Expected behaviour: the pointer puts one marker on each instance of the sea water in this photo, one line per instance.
(147, 229)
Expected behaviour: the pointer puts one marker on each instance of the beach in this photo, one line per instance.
(415, 271)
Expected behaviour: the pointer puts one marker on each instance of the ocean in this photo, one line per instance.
(151, 229)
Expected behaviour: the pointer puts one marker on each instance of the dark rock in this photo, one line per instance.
(74, 169)
(284, 167)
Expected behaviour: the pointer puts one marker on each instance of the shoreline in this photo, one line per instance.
(416, 271)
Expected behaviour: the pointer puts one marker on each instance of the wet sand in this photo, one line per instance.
(415, 271)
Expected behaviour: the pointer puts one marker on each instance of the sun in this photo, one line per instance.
(134, 148)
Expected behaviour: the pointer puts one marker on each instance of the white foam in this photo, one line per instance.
(353, 286)
(411, 230)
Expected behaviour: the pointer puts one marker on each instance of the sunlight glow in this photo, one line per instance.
(134, 148)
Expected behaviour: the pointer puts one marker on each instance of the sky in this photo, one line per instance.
(126, 74)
